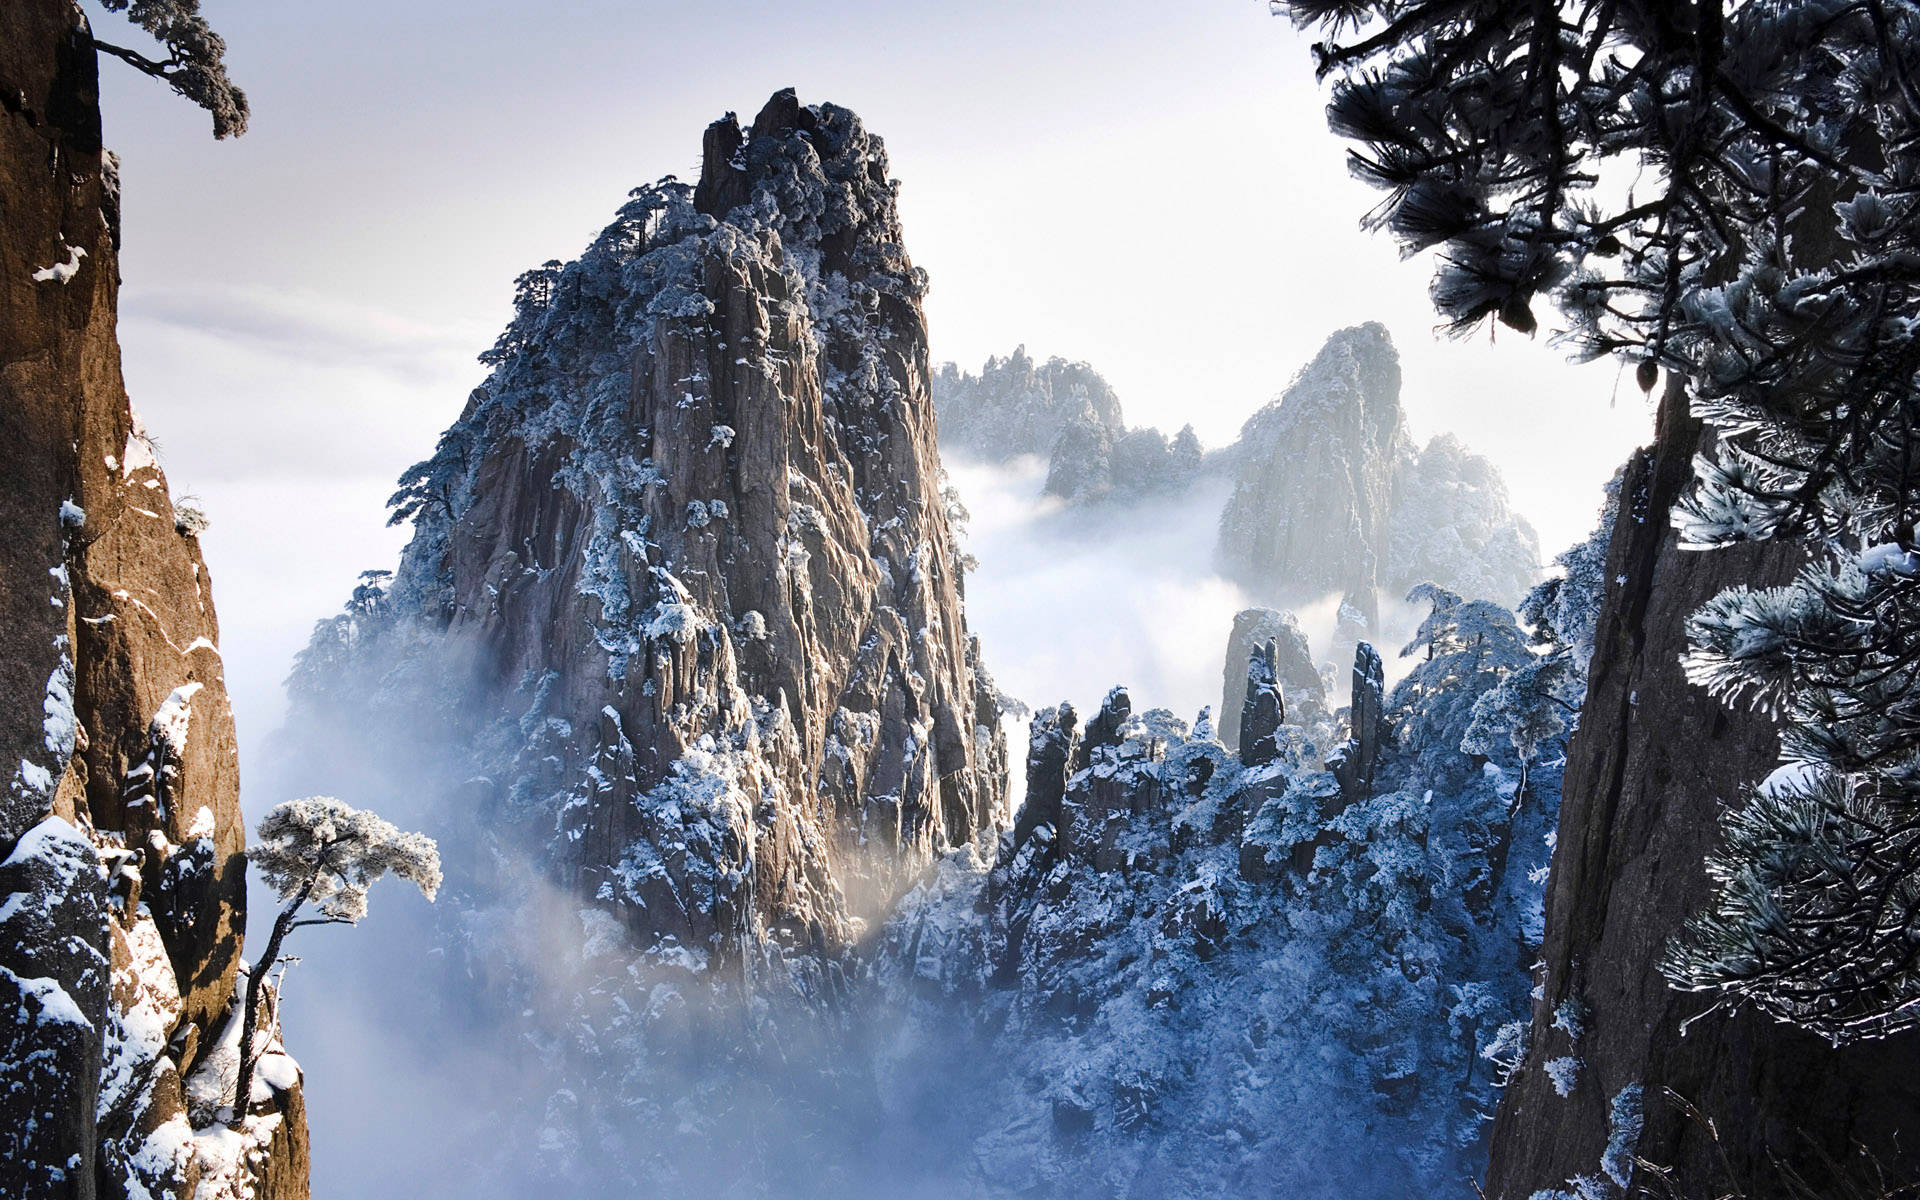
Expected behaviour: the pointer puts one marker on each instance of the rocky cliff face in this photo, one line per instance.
(683, 606)
(1719, 1101)
(688, 544)
(120, 934)
(1332, 497)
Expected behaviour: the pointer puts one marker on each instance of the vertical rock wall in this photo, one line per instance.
(1652, 762)
(685, 573)
(120, 823)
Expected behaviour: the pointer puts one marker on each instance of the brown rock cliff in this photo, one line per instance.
(119, 806)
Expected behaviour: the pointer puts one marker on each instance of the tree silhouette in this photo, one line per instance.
(319, 852)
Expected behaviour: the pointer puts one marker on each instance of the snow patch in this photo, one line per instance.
(1564, 1072)
(171, 724)
(62, 272)
(56, 1006)
(138, 454)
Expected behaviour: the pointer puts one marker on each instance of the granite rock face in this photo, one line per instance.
(686, 564)
(1332, 497)
(1294, 670)
(1651, 763)
(120, 813)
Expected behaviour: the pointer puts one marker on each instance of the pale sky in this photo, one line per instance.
(1148, 187)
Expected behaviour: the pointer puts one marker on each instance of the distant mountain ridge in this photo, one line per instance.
(1063, 411)
(1329, 495)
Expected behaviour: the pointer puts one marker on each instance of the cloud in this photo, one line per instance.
(1071, 602)
(249, 383)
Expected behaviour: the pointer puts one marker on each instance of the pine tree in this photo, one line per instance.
(195, 65)
(1767, 255)
(320, 852)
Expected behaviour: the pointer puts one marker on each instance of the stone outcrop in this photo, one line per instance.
(1356, 763)
(1331, 496)
(120, 816)
(1293, 670)
(1720, 1100)
(1264, 708)
(688, 550)
(1453, 525)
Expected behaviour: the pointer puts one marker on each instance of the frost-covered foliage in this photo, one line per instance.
(321, 851)
(1767, 259)
(1016, 406)
(94, 1005)
(1564, 610)
(1452, 523)
(1067, 412)
(1537, 705)
(195, 65)
(1092, 462)
(190, 517)
(1195, 973)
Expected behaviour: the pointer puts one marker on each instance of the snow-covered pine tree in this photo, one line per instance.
(1767, 253)
(195, 65)
(322, 853)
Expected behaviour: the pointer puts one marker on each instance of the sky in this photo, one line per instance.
(1148, 187)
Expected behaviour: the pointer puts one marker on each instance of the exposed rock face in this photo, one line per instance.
(1265, 707)
(1294, 670)
(120, 817)
(1333, 498)
(1067, 412)
(1653, 760)
(1356, 762)
(688, 548)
